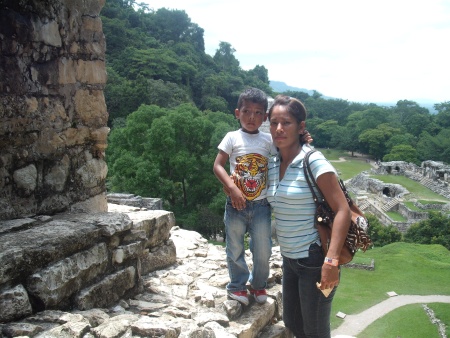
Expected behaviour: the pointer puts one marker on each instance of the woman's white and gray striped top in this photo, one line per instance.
(292, 203)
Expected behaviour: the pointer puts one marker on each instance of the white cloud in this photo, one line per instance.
(377, 51)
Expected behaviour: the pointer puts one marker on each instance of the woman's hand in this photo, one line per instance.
(330, 276)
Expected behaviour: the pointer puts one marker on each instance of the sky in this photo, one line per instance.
(358, 50)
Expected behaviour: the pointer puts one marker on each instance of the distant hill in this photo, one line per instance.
(280, 87)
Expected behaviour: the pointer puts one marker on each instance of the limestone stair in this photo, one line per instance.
(391, 204)
(363, 205)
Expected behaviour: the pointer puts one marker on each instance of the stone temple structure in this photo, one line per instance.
(53, 117)
(59, 245)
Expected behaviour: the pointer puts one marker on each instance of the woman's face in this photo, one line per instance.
(284, 128)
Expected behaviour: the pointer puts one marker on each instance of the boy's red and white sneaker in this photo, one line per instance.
(260, 295)
(240, 296)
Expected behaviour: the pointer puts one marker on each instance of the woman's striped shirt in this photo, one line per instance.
(292, 203)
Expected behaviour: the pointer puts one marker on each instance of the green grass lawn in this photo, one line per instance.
(333, 154)
(349, 168)
(411, 206)
(407, 269)
(399, 323)
(395, 216)
(442, 311)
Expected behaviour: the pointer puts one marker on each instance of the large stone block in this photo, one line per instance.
(28, 251)
(59, 281)
(14, 304)
(161, 257)
(108, 291)
(156, 223)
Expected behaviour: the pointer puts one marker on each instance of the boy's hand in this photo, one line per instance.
(239, 202)
(306, 137)
(237, 197)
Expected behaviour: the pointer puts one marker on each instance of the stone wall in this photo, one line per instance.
(79, 260)
(53, 117)
(411, 214)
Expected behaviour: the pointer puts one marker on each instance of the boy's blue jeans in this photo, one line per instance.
(256, 220)
(306, 311)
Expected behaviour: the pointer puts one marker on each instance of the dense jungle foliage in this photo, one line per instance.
(170, 104)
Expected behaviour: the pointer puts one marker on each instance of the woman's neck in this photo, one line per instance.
(288, 155)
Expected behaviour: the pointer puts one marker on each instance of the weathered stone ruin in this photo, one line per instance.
(434, 175)
(60, 248)
(53, 115)
(378, 197)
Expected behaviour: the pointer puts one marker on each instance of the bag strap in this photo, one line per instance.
(310, 179)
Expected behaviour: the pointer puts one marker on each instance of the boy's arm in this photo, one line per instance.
(237, 198)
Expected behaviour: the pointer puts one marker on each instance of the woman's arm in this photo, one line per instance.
(329, 186)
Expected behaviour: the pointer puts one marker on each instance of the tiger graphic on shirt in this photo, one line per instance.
(250, 174)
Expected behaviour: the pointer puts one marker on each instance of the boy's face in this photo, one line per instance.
(251, 115)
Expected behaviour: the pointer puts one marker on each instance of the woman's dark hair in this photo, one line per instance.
(294, 107)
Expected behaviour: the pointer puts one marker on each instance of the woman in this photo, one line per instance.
(306, 311)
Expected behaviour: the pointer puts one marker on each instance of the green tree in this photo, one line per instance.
(328, 109)
(375, 139)
(169, 153)
(442, 118)
(371, 118)
(380, 234)
(165, 94)
(399, 139)
(402, 152)
(224, 85)
(411, 116)
(436, 148)
(225, 58)
(324, 133)
(434, 230)
(302, 96)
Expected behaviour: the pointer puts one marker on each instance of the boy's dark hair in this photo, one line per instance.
(254, 95)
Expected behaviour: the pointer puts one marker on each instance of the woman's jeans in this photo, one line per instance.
(256, 220)
(306, 311)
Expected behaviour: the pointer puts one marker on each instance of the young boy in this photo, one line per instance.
(247, 209)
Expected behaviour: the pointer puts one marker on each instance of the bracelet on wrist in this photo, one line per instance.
(331, 261)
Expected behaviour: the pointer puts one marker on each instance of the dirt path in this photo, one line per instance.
(354, 324)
